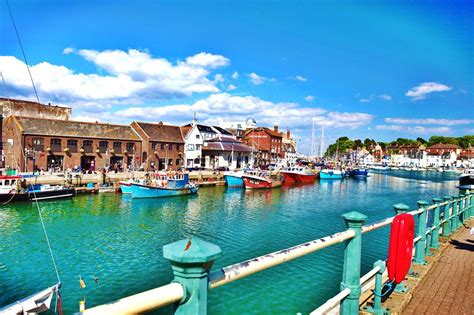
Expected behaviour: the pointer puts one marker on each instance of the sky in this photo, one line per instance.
(365, 69)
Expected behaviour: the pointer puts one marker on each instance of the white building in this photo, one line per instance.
(238, 127)
(226, 151)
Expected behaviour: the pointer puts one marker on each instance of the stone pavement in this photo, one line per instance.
(448, 288)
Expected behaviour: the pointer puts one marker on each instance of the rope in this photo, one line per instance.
(26, 166)
(388, 285)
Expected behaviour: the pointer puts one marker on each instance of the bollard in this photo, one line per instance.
(447, 223)
(400, 208)
(420, 245)
(454, 223)
(191, 259)
(352, 255)
(435, 236)
(377, 308)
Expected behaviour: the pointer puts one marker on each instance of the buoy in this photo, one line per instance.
(82, 283)
(400, 247)
(82, 306)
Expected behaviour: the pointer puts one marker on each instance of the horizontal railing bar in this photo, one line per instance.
(376, 225)
(332, 302)
(369, 275)
(416, 239)
(243, 269)
(141, 302)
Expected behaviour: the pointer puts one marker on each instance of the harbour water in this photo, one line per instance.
(119, 240)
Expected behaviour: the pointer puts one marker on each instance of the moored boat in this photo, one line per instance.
(13, 188)
(359, 172)
(233, 179)
(466, 180)
(331, 174)
(298, 175)
(261, 181)
(164, 185)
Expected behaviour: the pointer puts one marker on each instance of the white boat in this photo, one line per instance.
(34, 304)
(466, 180)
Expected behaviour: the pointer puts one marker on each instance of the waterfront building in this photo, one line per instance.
(238, 128)
(289, 149)
(226, 151)
(51, 144)
(267, 142)
(194, 136)
(163, 145)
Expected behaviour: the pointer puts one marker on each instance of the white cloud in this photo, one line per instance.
(372, 97)
(68, 50)
(235, 75)
(429, 121)
(224, 106)
(231, 87)
(419, 92)
(129, 75)
(298, 78)
(417, 130)
(309, 98)
(218, 78)
(258, 79)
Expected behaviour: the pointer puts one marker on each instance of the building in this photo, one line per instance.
(238, 128)
(51, 144)
(226, 151)
(163, 145)
(267, 142)
(194, 137)
(289, 149)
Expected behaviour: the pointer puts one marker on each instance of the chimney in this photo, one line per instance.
(275, 127)
(288, 135)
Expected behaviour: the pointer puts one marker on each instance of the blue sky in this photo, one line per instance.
(363, 69)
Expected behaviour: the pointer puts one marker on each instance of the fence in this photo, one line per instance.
(192, 259)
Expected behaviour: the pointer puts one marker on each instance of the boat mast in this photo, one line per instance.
(313, 149)
(321, 141)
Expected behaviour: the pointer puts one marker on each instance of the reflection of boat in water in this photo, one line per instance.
(164, 185)
(331, 174)
(13, 188)
(261, 181)
(466, 180)
(299, 175)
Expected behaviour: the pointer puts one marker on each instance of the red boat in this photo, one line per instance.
(298, 175)
(261, 181)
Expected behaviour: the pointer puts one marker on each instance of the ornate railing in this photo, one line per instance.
(192, 259)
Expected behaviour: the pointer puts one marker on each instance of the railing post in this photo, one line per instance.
(454, 214)
(462, 209)
(377, 308)
(471, 204)
(420, 245)
(447, 214)
(191, 259)
(435, 236)
(458, 213)
(400, 208)
(352, 256)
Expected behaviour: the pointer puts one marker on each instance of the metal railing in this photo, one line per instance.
(192, 259)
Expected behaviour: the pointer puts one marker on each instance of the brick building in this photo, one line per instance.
(163, 145)
(61, 144)
(267, 142)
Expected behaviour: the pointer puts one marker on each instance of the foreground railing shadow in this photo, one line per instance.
(192, 260)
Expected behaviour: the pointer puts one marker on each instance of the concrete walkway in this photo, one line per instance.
(448, 288)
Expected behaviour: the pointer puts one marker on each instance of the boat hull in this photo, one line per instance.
(359, 173)
(257, 183)
(466, 181)
(331, 174)
(38, 195)
(298, 178)
(233, 181)
(125, 187)
(143, 191)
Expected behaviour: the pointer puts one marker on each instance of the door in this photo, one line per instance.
(88, 163)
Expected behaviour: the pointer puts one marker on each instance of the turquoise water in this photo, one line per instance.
(120, 240)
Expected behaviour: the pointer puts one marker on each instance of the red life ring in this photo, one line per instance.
(400, 247)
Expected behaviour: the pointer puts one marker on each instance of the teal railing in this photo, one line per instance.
(192, 260)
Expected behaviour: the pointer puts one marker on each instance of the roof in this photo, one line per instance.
(161, 132)
(25, 102)
(444, 146)
(186, 129)
(269, 131)
(204, 128)
(68, 128)
(225, 143)
(222, 130)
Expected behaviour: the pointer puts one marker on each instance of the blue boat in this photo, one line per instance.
(234, 179)
(331, 174)
(164, 186)
(359, 172)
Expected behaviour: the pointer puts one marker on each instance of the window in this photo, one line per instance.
(117, 146)
(178, 147)
(177, 162)
(130, 147)
(72, 145)
(170, 147)
(103, 145)
(198, 137)
(87, 146)
(153, 145)
(170, 162)
(198, 147)
(162, 146)
(190, 147)
(56, 145)
(38, 144)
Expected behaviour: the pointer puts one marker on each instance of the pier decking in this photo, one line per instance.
(448, 286)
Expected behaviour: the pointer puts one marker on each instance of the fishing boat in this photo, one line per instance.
(14, 188)
(126, 186)
(466, 180)
(359, 172)
(298, 175)
(234, 179)
(164, 185)
(331, 174)
(261, 181)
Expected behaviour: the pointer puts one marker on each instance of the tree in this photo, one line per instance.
(421, 140)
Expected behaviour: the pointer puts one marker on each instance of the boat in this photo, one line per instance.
(466, 180)
(298, 175)
(380, 167)
(359, 171)
(34, 304)
(14, 188)
(331, 174)
(164, 185)
(262, 181)
(234, 179)
(126, 186)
